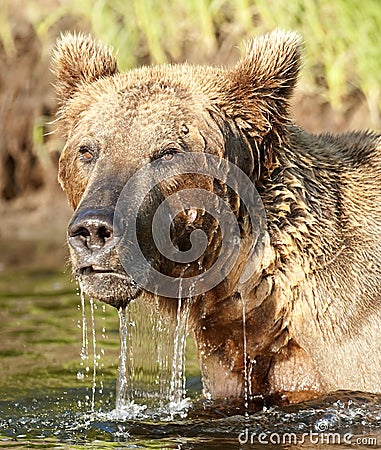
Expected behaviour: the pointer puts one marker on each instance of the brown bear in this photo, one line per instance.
(298, 313)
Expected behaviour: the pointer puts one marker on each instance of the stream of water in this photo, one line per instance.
(151, 375)
(58, 382)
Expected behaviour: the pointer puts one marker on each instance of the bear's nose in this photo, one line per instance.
(91, 229)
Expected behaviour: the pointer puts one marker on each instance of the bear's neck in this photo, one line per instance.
(302, 231)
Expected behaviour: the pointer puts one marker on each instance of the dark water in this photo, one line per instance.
(50, 398)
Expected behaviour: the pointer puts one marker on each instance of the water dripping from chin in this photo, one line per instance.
(178, 403)
(85, 370)
(151, 376)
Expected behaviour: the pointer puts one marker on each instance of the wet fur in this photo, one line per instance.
(313, 303)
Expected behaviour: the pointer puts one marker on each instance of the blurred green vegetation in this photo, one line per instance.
(342, 51)
(340, 84)
(342, 37)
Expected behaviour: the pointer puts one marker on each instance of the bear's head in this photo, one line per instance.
(130, 138)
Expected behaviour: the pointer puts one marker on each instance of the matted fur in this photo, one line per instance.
(313, 303)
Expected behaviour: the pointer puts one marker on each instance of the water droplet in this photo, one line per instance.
(80, 376)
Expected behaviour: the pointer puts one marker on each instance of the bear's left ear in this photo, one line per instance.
(78, 59)
(256, 92)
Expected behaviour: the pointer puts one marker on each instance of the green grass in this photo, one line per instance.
(342, 44)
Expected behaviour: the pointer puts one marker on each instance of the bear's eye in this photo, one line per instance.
(167, 154)
(86, 153)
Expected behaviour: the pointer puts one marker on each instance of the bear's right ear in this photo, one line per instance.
(255, 94)
(78, 59)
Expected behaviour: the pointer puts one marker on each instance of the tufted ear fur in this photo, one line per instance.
(257, 90)
(78, 59)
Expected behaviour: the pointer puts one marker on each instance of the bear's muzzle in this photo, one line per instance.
(94, 257)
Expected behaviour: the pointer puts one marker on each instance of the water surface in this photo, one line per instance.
(52, 395)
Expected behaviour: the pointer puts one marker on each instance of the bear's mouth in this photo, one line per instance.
(111, 286)
(98, 270)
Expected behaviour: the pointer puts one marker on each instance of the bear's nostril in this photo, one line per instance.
(104, 233)
(91, 229)
(80, 231)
